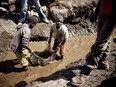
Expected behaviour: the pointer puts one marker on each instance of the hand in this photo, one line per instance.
(29, 49)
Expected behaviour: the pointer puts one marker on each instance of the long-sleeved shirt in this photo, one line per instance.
(21, 38)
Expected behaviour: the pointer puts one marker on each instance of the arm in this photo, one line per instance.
(96, 12)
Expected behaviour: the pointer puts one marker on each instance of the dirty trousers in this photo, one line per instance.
(62, 47)
(23, 57)
(101, 48)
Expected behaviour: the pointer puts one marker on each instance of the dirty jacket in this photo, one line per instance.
(21, 38)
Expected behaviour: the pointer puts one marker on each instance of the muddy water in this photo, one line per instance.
(11, 75)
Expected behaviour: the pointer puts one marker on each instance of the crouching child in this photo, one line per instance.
(20, 42)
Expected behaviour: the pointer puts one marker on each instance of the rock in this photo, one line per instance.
(72, 9)
(7, 30)
(41, 32)
(60, 82)
(7, 25)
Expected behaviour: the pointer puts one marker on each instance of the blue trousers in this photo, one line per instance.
(24, 9)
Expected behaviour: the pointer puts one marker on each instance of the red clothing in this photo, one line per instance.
(106, 6)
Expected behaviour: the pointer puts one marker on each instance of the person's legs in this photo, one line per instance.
(23, 57)
(24, 9)
(40, 11)
(101, 47)
(18, 55)
(94, 55)
(62, 48)
(55, 46)
(104, 63)
(101, 20)
(100, 50)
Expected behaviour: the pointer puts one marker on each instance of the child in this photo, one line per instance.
(20, 41)
(61, 35)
